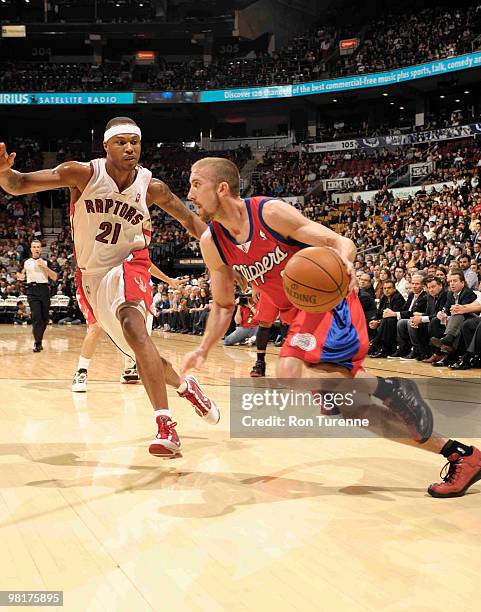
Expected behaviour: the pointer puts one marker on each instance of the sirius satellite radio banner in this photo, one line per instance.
(64, 98)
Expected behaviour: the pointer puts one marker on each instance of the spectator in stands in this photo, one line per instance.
(384, 275)
(445, 330)
(183, 315)
(442, 274)
(401, 281)
(21, 316)
(163, 308)
(384, 343)
(418, 328)
(416, 302)
(471, 332)
(156, 299)
(196, 312)
(172, 312)
(74, 315)
(368, 303)
(470, 276)
(246, 328)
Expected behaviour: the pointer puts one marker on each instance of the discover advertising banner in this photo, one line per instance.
(378, 79)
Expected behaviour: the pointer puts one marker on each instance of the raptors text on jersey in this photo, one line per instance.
(108, 225)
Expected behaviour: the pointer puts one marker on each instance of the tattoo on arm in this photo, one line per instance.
(177, 209)
(14, 180)
(173, 206)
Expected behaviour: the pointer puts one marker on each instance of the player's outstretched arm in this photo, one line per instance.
(159, 193)
(222, 288)
(290, 223)
(69, 174)
(154, 270)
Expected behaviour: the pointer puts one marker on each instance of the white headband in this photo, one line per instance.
(122, 128)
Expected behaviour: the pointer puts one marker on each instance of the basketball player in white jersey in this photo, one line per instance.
(111, 229)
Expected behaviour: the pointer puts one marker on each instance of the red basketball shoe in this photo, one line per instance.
(463, 471)
(130, 376)
(204, 406)
(166, 443)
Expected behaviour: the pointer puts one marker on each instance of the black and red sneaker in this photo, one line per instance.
(407, 403)
(167, 442)
(259, 369)
(462, 472)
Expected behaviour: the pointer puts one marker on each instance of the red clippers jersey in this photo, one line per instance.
(262, 257)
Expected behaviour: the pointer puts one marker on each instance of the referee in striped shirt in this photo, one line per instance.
(37, 274)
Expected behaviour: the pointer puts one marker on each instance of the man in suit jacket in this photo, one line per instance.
(445, 258)
(392, 301)
(476, 255)
(445, 329)
(416, 302)
(368, 303)
(476, 235)
(418, 328)
(470, 276)
(365, 284)
(471, 332)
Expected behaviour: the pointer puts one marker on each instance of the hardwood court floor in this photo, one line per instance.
(233, 525)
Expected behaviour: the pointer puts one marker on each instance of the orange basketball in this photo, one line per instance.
(315, 279)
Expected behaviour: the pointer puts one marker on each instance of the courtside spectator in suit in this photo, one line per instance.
(392, 301)
(416, 302)
(445, 329)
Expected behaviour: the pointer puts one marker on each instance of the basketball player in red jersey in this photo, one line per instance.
(111, 230)
(257, 237)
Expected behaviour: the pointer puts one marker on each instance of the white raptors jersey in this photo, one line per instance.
(107, 225)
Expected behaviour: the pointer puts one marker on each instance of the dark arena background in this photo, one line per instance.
(366, 118)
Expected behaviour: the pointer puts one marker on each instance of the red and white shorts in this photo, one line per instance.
(82, 302)
(267, 311)
(337, 337)
(100, 295)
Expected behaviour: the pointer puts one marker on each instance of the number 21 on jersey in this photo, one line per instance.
(106, 230)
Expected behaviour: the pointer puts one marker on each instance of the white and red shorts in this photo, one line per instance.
(100, 295)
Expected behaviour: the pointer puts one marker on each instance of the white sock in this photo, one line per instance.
(165, 412)
(83, 363)
(182, 387)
